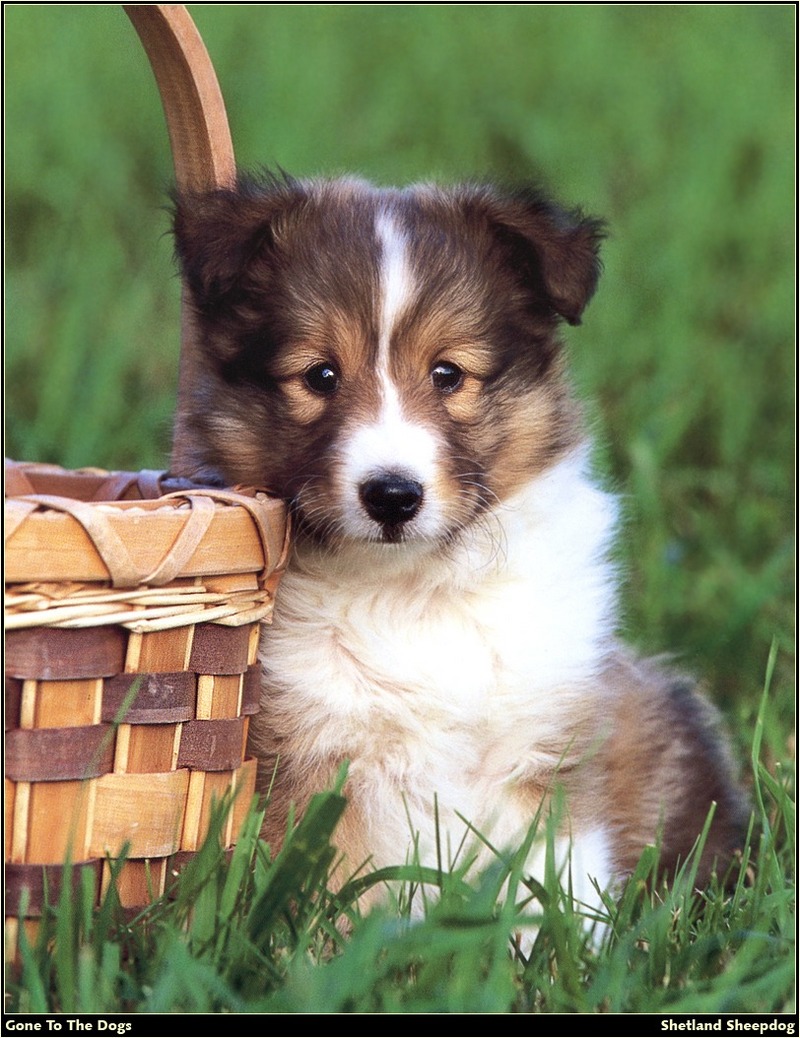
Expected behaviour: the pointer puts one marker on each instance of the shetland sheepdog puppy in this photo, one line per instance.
(389, 362)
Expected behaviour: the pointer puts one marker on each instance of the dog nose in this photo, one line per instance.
(391, 499)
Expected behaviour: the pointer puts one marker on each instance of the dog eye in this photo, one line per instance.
(447, 377)
(322, 379)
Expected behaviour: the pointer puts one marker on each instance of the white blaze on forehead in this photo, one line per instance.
(391, 442)
(396, 284)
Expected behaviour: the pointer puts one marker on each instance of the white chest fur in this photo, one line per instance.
(452, 675)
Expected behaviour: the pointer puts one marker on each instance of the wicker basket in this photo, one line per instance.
(133, 606)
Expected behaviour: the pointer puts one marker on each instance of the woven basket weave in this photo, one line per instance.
(133, 607)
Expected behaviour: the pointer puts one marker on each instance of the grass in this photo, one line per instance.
(676, 122)
(260, 934)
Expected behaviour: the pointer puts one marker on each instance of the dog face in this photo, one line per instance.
(386, 360)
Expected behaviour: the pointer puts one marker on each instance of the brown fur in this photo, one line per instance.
(272, 270)
(665, 766)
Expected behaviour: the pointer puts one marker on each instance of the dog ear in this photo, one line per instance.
(220, 234)
(556, 249)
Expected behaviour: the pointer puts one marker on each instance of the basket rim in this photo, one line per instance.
(195, 531)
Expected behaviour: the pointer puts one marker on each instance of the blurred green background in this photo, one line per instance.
(675, 122)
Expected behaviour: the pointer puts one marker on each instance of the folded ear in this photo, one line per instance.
(220, 234)
(556, 248)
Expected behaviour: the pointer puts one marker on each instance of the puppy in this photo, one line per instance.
(389, 361)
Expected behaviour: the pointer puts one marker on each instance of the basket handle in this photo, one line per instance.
(202, 154)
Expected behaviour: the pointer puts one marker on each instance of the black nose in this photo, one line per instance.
(391, 499)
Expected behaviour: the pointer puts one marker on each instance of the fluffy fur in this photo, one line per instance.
(389, 361)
